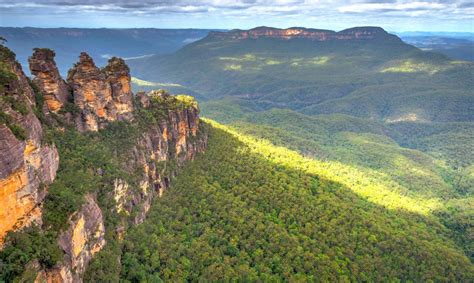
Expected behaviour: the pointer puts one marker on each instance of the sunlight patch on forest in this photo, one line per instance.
(255, 63)
(319, 60)
(385, 193)
(314, 61)
(246, 57)
(409, 117)
(233, 67)
(411, 66)
(273, 62)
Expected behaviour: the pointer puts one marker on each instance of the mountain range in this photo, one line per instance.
(454, 45)
(318, 156)
(101, 44)
(360, 97)
(321, 72)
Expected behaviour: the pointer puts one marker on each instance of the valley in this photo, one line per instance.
(281, 155)
(382, 109)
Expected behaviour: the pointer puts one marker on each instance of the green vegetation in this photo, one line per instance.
(25, 246)
(18, 106)
(374, 112)
(422, 167)
(81, 158)
(7, 100)
(251, 211)
(341, 162)
(19, 132)
(6, 75)
(89, 163)
(161, 102)
(380, 79)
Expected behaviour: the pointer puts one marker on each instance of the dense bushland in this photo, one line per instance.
(251, 211)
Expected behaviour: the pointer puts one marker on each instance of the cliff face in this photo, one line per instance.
(118, 77)
(47, 78)
(27, 165)
(83, 239)
(102, 96)
(167, 136)
(167, 144)
(360, 33)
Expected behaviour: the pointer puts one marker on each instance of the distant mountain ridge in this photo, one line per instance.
(100, 43)
(381, 106)
(361, 71)
(356, 33)
(460, 47)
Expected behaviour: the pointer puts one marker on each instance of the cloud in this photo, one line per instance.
(156, 7)
(237, 13)
(244, 6)
(391, 7)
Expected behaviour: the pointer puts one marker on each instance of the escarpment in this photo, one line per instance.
(170, 141)
(27, 163)
(134, 146)
(84, 237)
(359, 33)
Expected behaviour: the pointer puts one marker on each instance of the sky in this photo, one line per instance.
(393, 15)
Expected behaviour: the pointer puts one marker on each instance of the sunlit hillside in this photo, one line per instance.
(415, 165)
(379, 115)
(383, 79)
(267, 213)
(236, 141)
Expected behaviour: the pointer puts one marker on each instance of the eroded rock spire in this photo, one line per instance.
(102, 96)
(48, 80)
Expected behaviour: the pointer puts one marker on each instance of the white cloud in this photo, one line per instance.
(390, 7)
(241, 13)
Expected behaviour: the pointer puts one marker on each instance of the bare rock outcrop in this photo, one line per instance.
(101, 96)
(170, 136)
(84, 238)
(358, 33)
(57, 274)
(160, 151)
(118, 76)
(92, 95)
(47, 78)
(28, 165)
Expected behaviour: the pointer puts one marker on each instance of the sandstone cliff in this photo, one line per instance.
(164, 131)
(80, 242)
(118, 77)
(359, 33)
(84, 238)
(47, 78)
(27, 165)
(166, 145)
(102, 96)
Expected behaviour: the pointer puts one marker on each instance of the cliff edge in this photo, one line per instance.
(81, 160)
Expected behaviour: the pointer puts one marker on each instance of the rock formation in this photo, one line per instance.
(101, 96)
(27, 164)
(47, 78)
(83, 239)
(174, 139)
(359, 33)
(118, 76)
